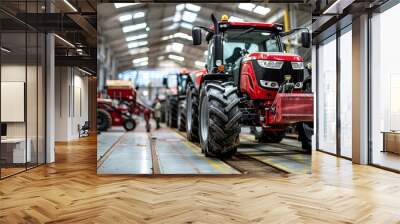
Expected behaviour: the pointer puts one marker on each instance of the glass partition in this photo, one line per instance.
(22, 88)
(385, 89)
(327, 96)
(14, 153)
(346, 92)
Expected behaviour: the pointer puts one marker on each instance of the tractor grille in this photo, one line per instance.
(277, 75)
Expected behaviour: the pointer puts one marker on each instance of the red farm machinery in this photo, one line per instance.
(249, 80)
(118, 106)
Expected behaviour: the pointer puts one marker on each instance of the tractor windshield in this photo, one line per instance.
(239, 41)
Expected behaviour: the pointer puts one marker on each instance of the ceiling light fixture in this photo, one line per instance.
(334, 8)
(139, 50)
(137, 44)
(174, 47)
(180, 7)
(189, 17)
(5, 50)
(84, 71)
(137, 37)
(186, 25)
(183, 36)
(176, 57)
(247, 6)
(192, 7)
(235, 19)
(125, 18)
(139, 60)
(139, 15)
(262, 10)
(144, 63)
(131, 28)
(64, 40)
(177, 16)
(121, 5)
(70, 5)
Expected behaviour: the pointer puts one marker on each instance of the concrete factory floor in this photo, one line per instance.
(166, 151)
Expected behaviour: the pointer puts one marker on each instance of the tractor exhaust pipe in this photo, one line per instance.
(218, 46)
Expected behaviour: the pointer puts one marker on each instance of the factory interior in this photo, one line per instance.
(199, 112)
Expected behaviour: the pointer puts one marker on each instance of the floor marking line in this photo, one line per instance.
(210, 161)
(154, 157)
(108, 152)
(193, 146)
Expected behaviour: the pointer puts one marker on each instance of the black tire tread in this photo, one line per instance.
(182, 116)
(173, 112)
(193, 136)
(224, 119)
(106, 118)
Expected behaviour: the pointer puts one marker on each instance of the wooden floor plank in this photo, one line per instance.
(70, 191)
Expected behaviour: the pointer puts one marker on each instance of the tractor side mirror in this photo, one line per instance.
(306, 39)
(196, 35)
(165, 82)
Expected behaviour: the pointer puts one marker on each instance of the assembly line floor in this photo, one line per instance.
(166, 151)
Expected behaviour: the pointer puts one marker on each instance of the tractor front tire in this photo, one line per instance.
(182, 115)
(104, 120)
(219, 119)
(129, 124)
(192, 113)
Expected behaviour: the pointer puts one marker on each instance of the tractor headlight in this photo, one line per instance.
(297, 65)
(270, 64)
(298, 85)
(269, 84)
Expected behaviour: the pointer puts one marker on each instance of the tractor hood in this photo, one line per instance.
(274, 56)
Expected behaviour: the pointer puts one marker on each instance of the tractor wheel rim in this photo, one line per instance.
(189, 113)
(129, 125)
(204, 116)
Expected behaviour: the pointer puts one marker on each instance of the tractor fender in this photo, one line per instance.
(214, 77)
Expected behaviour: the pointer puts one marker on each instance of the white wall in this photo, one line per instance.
(71, 102)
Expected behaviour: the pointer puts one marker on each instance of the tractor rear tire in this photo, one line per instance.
(173, 112)
(104, 120)
(219, 119)
(167, 117)
(192, 113)
(264, 136)
(182, 115)
(129, 124)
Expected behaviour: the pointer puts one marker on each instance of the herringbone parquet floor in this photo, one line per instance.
(70, 191)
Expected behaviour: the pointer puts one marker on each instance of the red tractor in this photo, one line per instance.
(175, 102)
(119, 106)
(109, 114)
(248, 80)
(122, 91)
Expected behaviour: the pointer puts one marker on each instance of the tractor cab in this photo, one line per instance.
(255, 48)
(175, 83)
